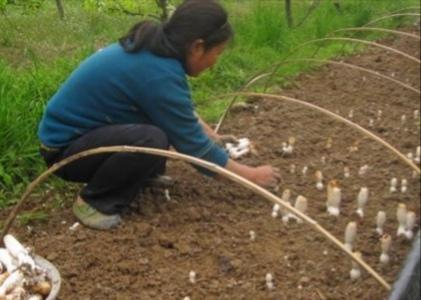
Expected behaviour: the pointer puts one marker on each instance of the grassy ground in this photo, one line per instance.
(38, 51)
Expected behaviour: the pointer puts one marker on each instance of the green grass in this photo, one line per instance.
(38, 51)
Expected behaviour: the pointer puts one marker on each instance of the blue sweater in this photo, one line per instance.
(115, 87)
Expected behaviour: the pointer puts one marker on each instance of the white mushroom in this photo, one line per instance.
(18, 251)
(417, 158)
(269, 281)
(275, 211)
(410, 224)
(304, 171)
(252, 235)
(286, 194)
(192, 277)
(350, 234)
(401, 215)
(14, 280)
(403, 119)
(7, 261)
(393, 185)
(319, 180)
(347, 172)
(329, 143)
(333, 199)
(386, 241)
(292, 169)
(363, 170)
(380, 220)
(362, 201)
(404, 185)
(355, 272)
(301, 206)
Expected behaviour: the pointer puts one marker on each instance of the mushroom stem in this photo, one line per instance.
(355, 272)
(401, 215)
(269, 281)
(385, 241)
(410, 224)
(393, 185)
(333, 199)
(362, 201)
(319, 180)
(380, 220)
(350, 234)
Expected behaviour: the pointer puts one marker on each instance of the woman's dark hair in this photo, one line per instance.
(192, 20)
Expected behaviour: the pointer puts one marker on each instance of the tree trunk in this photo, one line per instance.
(337, 5)
(288, 12)
(60, 9)
(163, 4)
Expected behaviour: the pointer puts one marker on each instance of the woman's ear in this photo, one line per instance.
(197, 48)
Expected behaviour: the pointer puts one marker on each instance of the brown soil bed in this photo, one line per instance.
(206, 226)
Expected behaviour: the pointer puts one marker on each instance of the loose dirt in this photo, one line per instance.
(205, 227)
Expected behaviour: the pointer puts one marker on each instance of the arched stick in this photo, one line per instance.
(397, 32)
(335, 116)
(295, 49)
(406, 8)
(391, 17)
(364, 42)
(204, 164)
(231, 103)
(375, 73)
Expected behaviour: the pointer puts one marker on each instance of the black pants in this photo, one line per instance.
(113, 179)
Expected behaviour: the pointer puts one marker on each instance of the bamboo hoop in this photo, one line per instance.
(249, 83)
(367, 43)
(406, 8)
(375, 73)
(294, 50)
(392, 16)
(397, 32)
(335, 116)
(352, 66)
(204, 164)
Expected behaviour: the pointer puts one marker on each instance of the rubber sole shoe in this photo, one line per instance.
(92, 218)
(161, 181)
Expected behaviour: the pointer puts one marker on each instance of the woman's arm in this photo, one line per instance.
(220, 139)
(208, 130)
(266, 176)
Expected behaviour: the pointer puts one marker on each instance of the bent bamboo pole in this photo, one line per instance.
(397, 32)
(375, 73)
(204, 164)
(231, 103)
(335, 116)
(295, 49)
(406, 8)
(392, 16)
(364, 42)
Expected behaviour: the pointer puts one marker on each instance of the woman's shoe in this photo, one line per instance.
(160, 181)
(92, 218)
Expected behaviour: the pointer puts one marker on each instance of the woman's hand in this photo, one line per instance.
(221, 140)
(266, 176)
